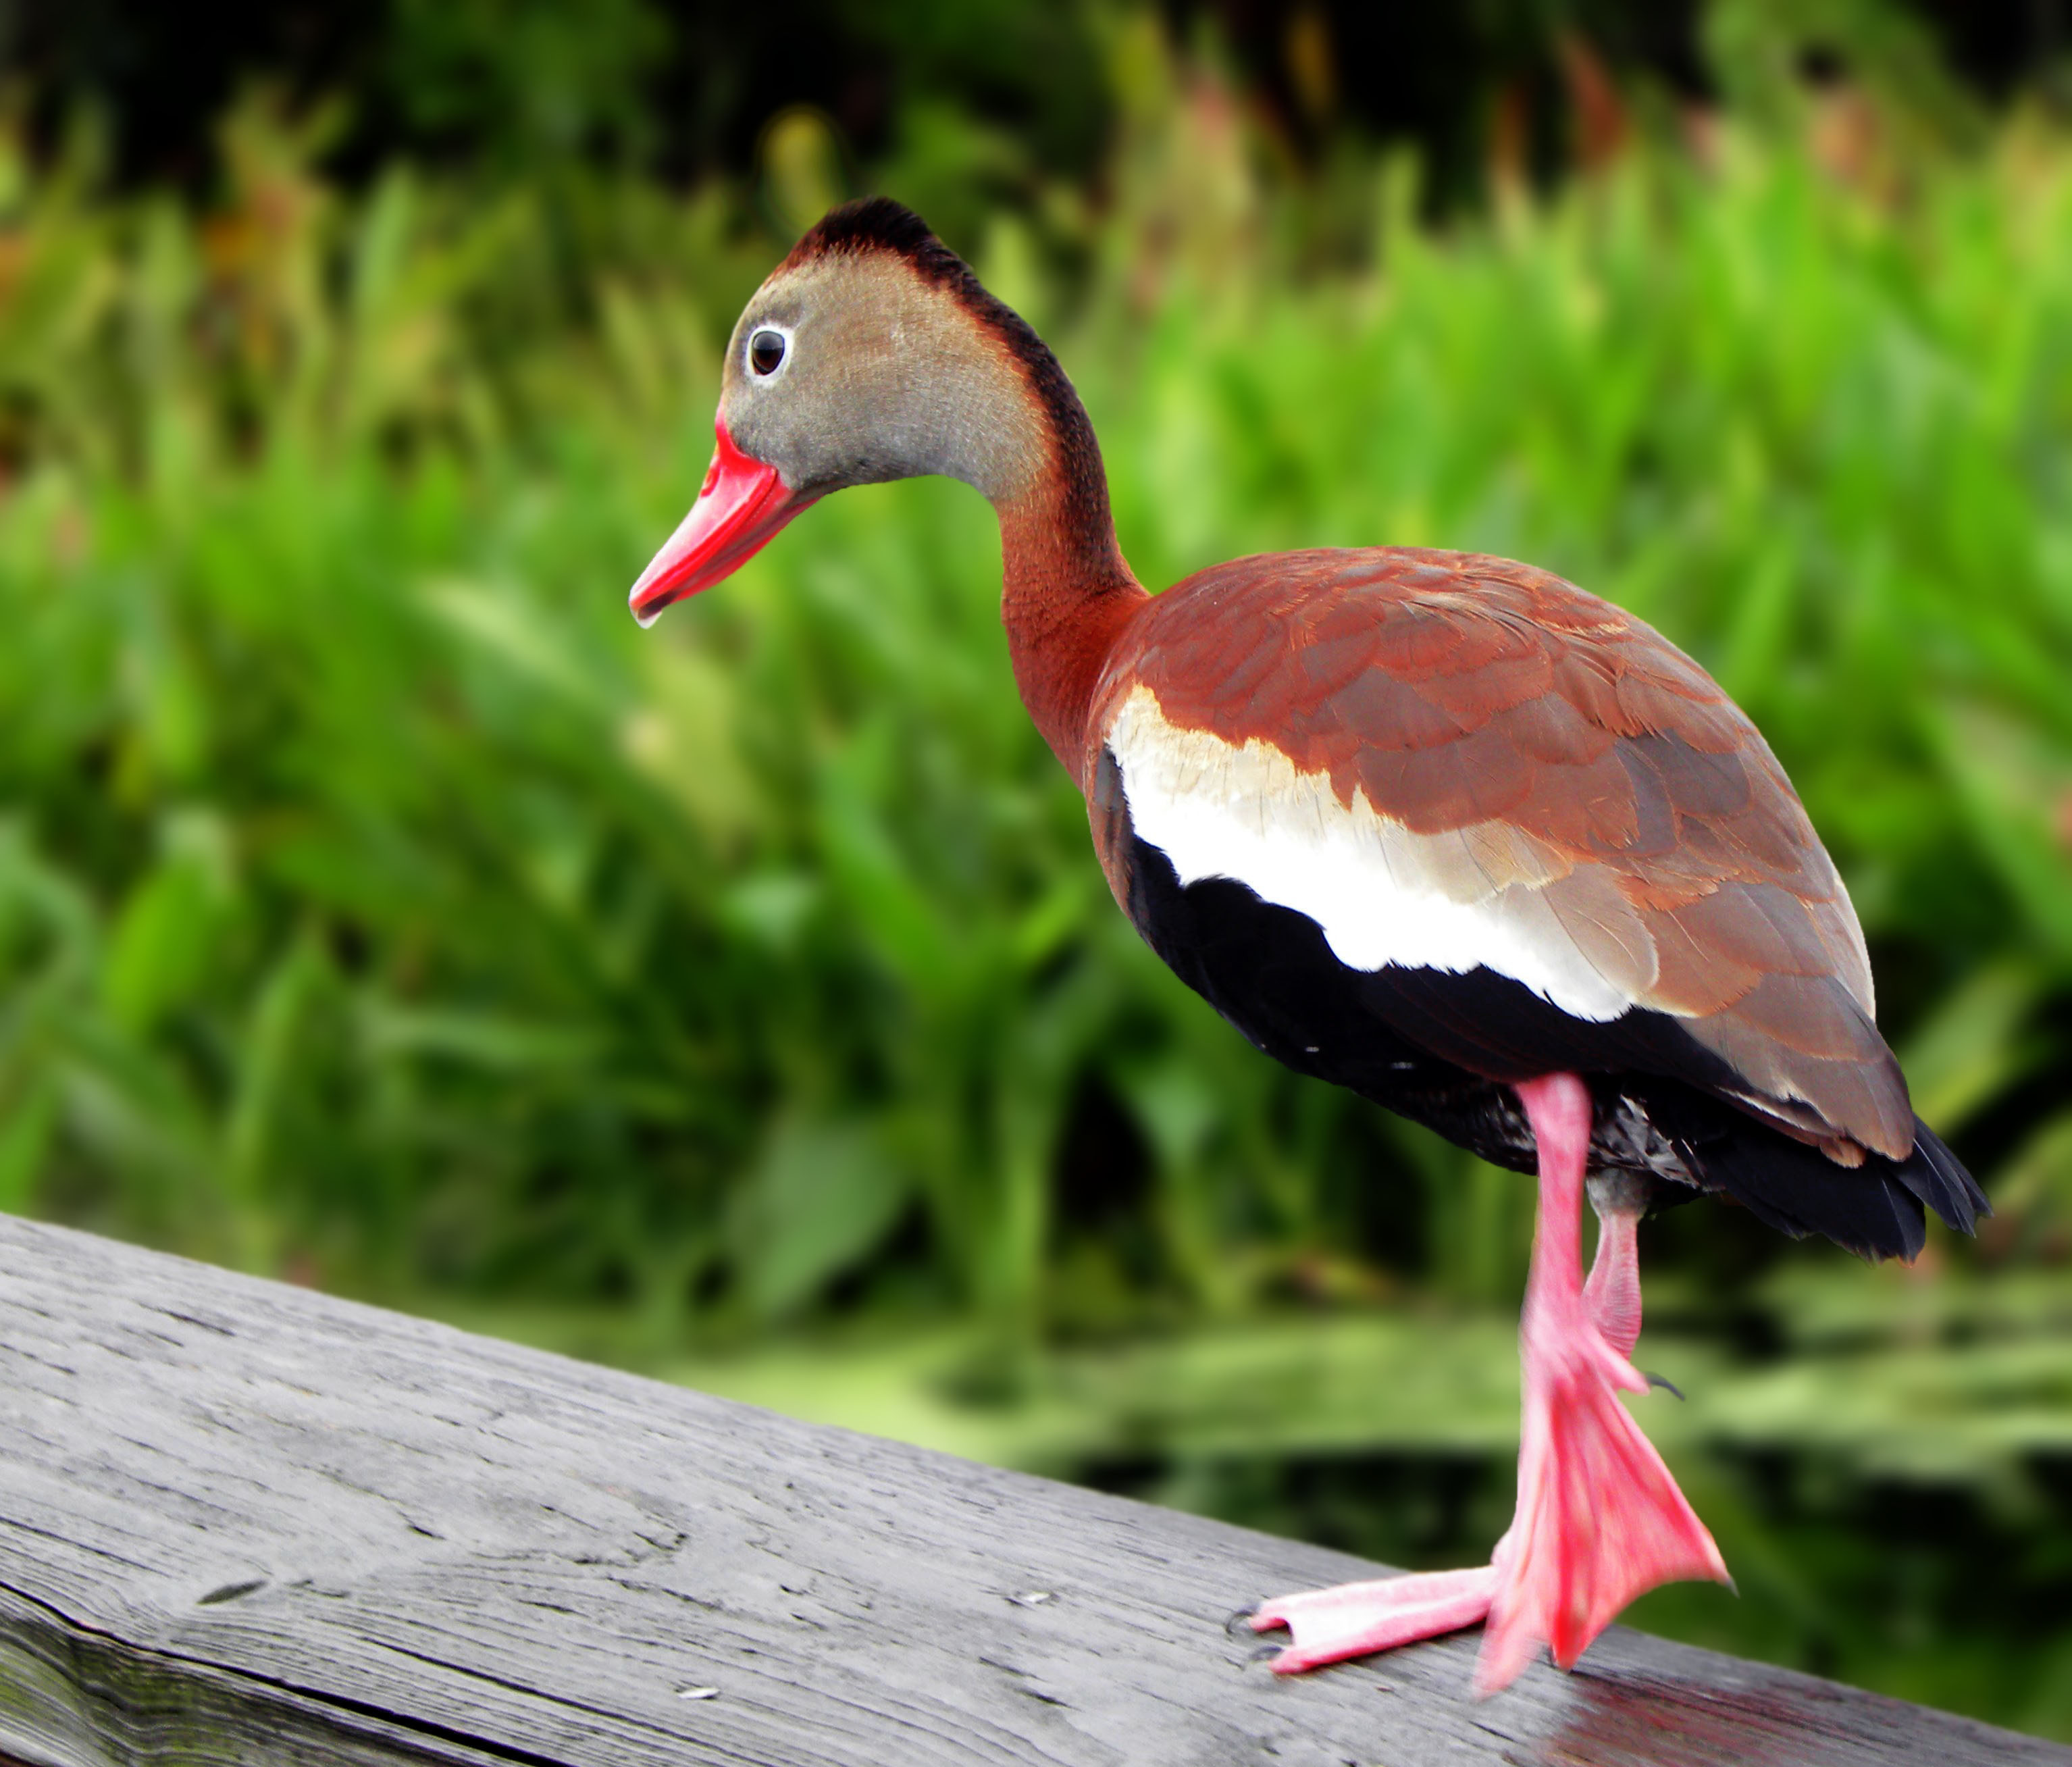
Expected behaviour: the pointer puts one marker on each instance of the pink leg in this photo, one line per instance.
(1599, 1519)
(1613, 1293)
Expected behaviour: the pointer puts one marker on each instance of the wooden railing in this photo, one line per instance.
(244, 1522)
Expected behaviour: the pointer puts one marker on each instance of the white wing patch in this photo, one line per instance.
(1488, 896)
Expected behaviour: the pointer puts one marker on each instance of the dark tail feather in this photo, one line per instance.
(1787, 1185)
(1932, 1173)
(1798, 1190)
(1874, 1209)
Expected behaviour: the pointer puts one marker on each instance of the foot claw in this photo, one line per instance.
(1267, 1653)
(1670, 1387)
(1239, 1624)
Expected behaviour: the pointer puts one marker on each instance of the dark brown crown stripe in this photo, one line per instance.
(879, 224)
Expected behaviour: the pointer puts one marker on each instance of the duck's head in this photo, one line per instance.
(871, 353)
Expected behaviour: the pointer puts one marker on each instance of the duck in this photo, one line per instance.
(1438, 827)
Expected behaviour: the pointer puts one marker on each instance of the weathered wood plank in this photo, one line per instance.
(242, 1522)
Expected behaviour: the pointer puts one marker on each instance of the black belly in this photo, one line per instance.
(1441, 1048)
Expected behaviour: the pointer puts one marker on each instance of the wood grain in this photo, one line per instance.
(244, 1522)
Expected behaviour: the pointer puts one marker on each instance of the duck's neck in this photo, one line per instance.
(1068, 592)
(1064, 606)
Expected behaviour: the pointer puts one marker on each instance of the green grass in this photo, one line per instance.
(378, 907)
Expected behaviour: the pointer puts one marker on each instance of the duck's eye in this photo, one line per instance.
(765, 352)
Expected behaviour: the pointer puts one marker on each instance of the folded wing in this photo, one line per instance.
(1451, 762)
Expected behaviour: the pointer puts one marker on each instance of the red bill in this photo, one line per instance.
(740, 506)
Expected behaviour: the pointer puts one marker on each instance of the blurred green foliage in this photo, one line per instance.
(379, 907)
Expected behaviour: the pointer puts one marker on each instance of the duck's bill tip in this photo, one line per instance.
(740, 506)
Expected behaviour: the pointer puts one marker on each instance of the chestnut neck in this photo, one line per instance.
(1067, 595)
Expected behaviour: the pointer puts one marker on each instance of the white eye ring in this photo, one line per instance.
(756, 371)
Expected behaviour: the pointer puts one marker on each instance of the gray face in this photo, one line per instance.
(882, 376)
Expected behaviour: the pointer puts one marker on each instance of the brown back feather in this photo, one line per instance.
(1455, 690)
